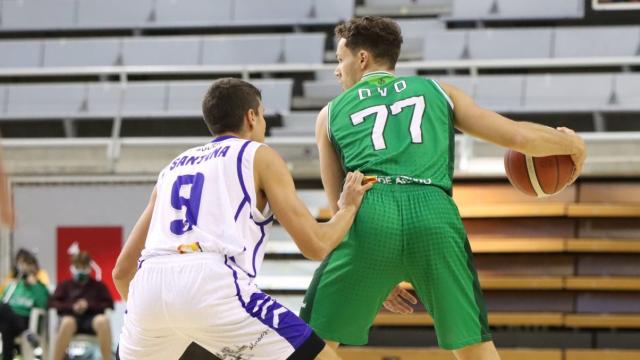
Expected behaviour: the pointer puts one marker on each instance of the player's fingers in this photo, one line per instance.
(367, 186)
(357, 177)
(407, 296)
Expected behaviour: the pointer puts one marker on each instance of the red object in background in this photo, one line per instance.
(102, 243)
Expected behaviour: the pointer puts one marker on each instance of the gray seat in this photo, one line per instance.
(3, 100)
(185, 97)
(304, 48)
(300, 120)
(325, 90)
(464, 83)
(517, 9)
(628, 90)
(82, 52)
(243, 50)
(45, 100)
(500, 92)
(145, 98)
(333, 11)
(597, 41)
(38, 14)
(413, 33)
(193, 12)
(114, 13)
(103, 99)
(444, 45)
(276, 95)
(161, 51)
(568, 92)
(18, 53)
(271, 12)
(540, 9)
(508, 44)
(471, 9)
(328, 75)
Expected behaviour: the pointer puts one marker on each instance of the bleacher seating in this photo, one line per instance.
(120, 14)
(560, 275)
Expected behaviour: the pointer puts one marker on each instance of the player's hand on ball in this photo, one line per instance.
(398, 301)
(353, 190)
(579, 157)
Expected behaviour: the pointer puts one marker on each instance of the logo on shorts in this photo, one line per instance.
(239, 352)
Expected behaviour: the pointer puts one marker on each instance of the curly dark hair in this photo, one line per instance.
(380, 36)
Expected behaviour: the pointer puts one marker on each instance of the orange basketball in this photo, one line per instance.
(538, 176)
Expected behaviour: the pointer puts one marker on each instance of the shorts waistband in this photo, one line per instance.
(399, 180)
(180, 259)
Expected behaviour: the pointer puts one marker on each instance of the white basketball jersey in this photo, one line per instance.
(206, 201)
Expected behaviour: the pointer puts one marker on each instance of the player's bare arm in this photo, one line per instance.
(525, 137)
(127, 263)
(331, 171)
(315, 240)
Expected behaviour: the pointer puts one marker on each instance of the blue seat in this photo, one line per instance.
(45, 100)
(82, 52)
(38, 14)
(193, 12)
(20, 53)
(161, 51)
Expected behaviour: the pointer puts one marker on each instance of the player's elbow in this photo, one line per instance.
(315, 251)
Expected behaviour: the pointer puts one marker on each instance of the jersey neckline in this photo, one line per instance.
(223, 138)
(377, 73)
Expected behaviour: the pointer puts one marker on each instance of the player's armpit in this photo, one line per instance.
(331, 171)
(127, 263)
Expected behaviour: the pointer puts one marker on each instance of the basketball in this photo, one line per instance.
(538, 176)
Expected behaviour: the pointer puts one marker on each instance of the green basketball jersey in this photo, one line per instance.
(397, 128)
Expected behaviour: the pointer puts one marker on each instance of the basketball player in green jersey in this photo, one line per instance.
(401, 130)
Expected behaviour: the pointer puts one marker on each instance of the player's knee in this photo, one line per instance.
(68, 324)
(100, 323)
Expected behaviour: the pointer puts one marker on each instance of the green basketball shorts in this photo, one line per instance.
(401, 233)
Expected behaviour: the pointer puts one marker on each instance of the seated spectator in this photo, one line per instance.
(81, 303)
(19, 297)
(27, 256)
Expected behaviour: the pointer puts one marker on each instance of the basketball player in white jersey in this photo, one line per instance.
(202, 239)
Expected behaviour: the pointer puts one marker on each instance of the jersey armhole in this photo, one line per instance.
(264, 216)
(444, 93)
(329, 122)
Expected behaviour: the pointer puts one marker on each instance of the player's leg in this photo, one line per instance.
(441, 269)
(68, 328)
(147, 333)
(485, 351)
(351, 284)
(328, 353)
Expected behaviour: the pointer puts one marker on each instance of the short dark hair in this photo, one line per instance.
(380, 36)
(81, 259)
(226, 102)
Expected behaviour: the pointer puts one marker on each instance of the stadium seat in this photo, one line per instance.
(114, 13)
(48, 101)
(508, 44)
(627, 90)
(333, 11)
(104, 99)
(464, 83)
(145, 98)
(17, 53)
(601, 41)
(568, 92)
(193, 12)
(276, 95)
(37, 14)
(445, 45)
(500, 92)
(413, 33)
(185, 97)
(304, 48)
(161, 51)
(516, 9)
(270, 12)
(82, 52)
(243, 50)
(3, 98)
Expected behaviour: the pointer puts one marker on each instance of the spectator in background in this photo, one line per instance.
(7, 216)
(25, 256)
(19, 297)
(81, 303)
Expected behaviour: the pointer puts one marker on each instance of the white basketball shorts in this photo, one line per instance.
(175, 300)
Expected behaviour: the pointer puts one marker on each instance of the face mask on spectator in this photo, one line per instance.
(80, 275)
